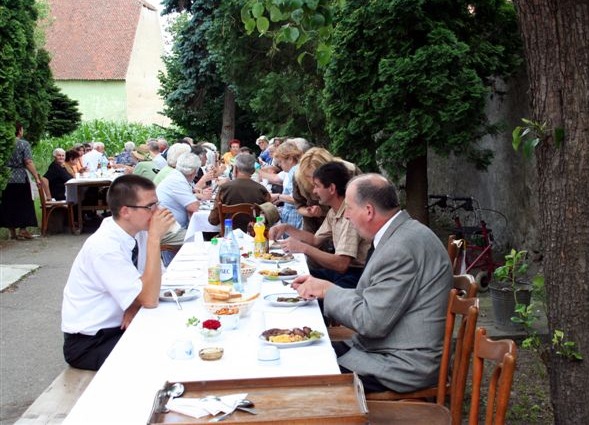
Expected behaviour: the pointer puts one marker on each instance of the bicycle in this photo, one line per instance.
(478, 247)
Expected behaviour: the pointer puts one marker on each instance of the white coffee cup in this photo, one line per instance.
(181, 349)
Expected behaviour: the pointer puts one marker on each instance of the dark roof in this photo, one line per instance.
(92, 39)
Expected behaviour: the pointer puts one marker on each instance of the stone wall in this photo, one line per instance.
(507, 190)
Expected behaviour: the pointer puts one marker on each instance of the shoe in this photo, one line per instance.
(24, 234)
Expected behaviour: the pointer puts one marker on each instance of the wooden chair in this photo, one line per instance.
(48, 206)
(453, 383)
(456, 254)
(466, 285)
(241, 214)
(503, 353)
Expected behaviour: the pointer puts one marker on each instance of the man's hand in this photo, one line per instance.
(293, 245)
(314, 211)
(206, 194)
(129, 315)
(276, 231)
(161, 221)
(311, 287)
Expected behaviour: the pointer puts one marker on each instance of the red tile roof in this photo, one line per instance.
(92, 39)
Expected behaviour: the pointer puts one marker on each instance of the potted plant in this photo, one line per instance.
(511, 290)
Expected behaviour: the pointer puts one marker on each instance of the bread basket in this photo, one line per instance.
(244, 304)
(247, 270)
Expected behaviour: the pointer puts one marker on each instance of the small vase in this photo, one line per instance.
(210, 334)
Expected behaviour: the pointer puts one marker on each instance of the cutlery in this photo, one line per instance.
(243, 405)
(175, 297)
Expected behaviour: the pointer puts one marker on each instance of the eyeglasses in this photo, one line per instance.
(151, 207)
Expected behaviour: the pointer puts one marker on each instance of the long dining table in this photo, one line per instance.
(123, 390)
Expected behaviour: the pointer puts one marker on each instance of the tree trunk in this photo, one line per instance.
(228, 129)
(555, 35)
(416, 187)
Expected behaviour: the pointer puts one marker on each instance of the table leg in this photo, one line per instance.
(80, 221)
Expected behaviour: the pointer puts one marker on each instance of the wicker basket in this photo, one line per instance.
(244, 305)
(247, 270)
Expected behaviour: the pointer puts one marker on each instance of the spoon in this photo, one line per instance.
(173, 391)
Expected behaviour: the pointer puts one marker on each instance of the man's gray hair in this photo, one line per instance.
(188, 163)
(175, 151)
(153, 145)
(129, 146)
(246, 163)
(58, 150)
(375, 189)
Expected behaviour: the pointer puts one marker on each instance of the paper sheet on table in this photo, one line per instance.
(198, 407)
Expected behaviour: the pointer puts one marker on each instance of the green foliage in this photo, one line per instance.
(564, 348)
(64, 116)
(191, 89)
(112, 134)
(514, 268)
(530, 135)
(421, 73)
(274, 94)
(303, 23)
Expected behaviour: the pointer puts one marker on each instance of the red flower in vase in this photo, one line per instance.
(211, 324)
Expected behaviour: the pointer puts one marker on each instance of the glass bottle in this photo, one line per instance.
(229, 256)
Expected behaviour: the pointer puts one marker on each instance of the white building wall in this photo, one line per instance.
(143, 103)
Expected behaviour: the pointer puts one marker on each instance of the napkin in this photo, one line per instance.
(199, 407)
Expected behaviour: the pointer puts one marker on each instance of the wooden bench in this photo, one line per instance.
(55, 403)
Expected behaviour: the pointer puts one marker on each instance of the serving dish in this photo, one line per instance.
(183, 294)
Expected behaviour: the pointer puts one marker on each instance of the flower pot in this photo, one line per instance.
(503, 303)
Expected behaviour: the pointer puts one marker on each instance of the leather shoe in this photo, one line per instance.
(24, 234)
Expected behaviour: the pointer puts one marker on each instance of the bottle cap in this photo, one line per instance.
(259, 219)
(214, 241)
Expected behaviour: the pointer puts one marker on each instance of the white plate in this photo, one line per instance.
(279, 278)
(290, 344)
(273, 300)
(277, 261)
(190, 294)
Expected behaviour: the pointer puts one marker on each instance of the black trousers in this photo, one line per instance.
(90, 351)
(370, 383)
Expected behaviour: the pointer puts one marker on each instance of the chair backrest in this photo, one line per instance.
(466, 285)
(44, 191)
(241, 214)
(456, 251)
(503, 354)
(468, 310)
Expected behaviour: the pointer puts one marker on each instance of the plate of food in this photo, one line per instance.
(279, 274)
(287, 338)
(183, 294)
(276, 257)
(286, 300)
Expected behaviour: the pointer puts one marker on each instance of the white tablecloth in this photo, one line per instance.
(123, 390)
(72, 185)
(199, 222)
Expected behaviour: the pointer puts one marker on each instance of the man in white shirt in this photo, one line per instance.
(91, 160)
(175, 193)
(117, 271)
(154, 151)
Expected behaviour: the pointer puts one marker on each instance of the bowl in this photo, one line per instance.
(211, 353)
(247, 270)
(244, 305)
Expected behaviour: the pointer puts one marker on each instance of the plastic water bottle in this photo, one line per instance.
(103, 166)
(259, 239)
(229, 256)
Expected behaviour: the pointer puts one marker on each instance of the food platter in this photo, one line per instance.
(279, 274)
(311, 337)
(277, 258)
(187, 294)
(275, 300)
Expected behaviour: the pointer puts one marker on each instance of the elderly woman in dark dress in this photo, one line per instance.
(57, 175)
(17, 209)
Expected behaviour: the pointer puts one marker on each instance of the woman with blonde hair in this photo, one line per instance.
(287, 156)
(304, 200)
